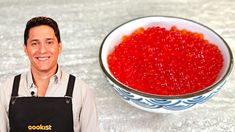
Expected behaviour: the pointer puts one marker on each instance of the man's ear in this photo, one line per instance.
(25, 49)
(60, 47)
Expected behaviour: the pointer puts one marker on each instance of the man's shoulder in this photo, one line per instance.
(6, 85)
(9, 79)
(79, 82)
(66, 74)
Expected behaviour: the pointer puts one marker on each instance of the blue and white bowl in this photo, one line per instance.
(164, 104)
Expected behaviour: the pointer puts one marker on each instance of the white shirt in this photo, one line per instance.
(83, 100)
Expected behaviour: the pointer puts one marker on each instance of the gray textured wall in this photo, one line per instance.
(85, 23)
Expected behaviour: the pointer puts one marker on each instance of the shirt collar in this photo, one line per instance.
(56, 78)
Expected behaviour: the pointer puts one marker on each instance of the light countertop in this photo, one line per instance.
(85, 23)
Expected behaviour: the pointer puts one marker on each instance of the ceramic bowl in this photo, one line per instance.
(164, 104)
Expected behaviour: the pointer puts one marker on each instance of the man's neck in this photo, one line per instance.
(41, 79)
(43, 75)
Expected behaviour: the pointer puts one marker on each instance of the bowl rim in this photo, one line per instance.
(148, 95)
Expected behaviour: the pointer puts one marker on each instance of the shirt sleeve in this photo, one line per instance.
(88, 115)
(4, 104)
(3, 119)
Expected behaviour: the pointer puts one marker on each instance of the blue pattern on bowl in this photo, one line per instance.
(163, 105)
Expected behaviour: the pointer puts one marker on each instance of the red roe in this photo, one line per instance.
(165, 62)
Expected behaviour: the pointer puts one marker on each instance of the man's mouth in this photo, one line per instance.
(43, 58)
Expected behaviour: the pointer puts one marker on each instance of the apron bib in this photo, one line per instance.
(41, 113)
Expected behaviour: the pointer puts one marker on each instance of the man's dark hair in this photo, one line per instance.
(38, 21)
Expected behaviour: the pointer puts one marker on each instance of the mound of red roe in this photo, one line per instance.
(165, 62)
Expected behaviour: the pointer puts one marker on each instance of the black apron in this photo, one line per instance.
(53, 114)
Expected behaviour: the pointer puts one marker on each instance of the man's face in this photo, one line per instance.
(42, 48)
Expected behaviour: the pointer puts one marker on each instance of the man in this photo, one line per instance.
(46, 98)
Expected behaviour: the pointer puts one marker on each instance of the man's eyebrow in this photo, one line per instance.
(50, 38)
(34, 40)
(38, 39)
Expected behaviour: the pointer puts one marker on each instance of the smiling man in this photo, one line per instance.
(43, 49)
(46, 98)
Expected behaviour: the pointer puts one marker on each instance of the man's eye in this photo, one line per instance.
(50, 42)
(34, 43)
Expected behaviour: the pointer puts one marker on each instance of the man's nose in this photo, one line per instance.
(42, 48)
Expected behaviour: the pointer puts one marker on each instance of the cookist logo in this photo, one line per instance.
(39, 127)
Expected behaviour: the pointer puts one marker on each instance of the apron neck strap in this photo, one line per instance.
(15, 86)
(70, 86)
(69, 91)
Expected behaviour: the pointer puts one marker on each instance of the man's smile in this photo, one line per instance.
(43, 58)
